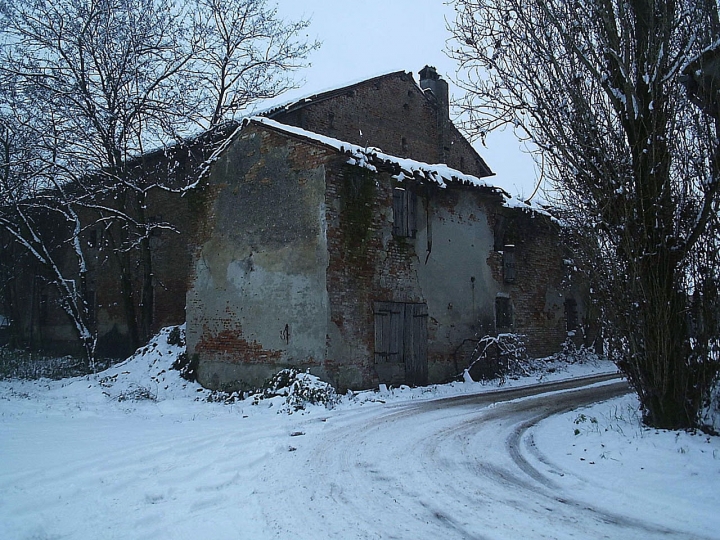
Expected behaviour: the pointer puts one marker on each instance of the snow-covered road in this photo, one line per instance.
(79, 461)
(452, 468)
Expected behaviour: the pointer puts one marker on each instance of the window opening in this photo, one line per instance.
(509, 271)
(404, 212)
(503, 313)
(571, 315)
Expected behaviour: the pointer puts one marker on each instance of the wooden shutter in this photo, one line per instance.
(404, 212)
(411, 201)
(399, 212)
(388, 332)
(416, 338)
(509, 271)
(401, 336)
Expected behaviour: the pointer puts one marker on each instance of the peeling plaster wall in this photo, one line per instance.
(258, 299)
(299, 246)
(456, 280)
(369, 264)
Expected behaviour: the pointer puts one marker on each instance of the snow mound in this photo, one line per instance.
(149, 374)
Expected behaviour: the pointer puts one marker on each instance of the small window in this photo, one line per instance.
(44, 308)
(94, 238)
(506, 232)
(404, 213)
(571, 315)
(503, 313)
(509, 271)
(403, 144)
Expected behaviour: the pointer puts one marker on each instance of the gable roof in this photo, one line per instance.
(375, 160)
(347, 90)
(329, 94)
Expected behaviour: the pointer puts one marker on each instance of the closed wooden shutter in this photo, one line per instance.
(401, 337)
(404, 212)
(416, 340)
(509, 271)
(388, 332)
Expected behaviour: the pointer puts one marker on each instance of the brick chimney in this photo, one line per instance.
(430, 80)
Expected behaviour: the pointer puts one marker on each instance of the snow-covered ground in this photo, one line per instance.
(137, 452)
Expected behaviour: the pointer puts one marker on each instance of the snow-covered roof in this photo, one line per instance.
(373, 158)
(401, 168)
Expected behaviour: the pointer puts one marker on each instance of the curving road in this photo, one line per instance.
(444, 469)
(459, 468)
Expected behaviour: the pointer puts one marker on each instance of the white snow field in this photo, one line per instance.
(137, 453)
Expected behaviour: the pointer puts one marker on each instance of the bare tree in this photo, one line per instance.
(37, 215)
(107, 81)
(247, 53)
(594, 84)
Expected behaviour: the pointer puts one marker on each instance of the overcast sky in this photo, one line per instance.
(365, 38)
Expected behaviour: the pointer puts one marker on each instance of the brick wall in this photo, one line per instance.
(543, 280)
(393, 114)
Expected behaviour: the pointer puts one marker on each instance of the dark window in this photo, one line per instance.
(44, 308)
(509, 272)
(571, 315)
(91, 302)
(403, 143)
(506, 232)
(404, 213)
(94, 238)
(503, 313)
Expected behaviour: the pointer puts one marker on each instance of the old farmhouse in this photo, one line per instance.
(354, 233)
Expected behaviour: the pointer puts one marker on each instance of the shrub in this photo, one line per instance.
(499, 357)
(299, 390)
(186, 366)
(175, 337)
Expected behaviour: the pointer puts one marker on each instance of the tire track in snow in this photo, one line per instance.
(448, 468)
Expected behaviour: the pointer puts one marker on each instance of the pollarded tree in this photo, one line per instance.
(594, 84)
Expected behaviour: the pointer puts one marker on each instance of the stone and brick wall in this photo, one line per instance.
(257, 302)
(392, 113)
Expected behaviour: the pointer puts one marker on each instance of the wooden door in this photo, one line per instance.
(401, 343)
